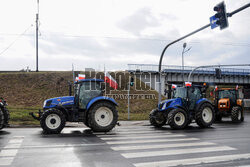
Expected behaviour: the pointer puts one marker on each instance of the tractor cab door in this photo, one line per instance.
(194, 94)
(88, 91)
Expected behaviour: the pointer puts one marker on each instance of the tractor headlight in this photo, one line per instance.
(164, 106)
(44, 103)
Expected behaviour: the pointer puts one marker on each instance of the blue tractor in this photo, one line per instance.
(88, 105)
(188, 104)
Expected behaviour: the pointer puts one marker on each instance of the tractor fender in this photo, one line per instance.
(64, 111)
(98, 99)
(200, 102)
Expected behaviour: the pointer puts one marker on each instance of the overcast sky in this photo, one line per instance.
(91, 33)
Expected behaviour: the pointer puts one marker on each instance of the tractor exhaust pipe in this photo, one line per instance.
(70, 88)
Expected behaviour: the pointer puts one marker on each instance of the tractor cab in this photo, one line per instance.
(189, 95)
(87, 89)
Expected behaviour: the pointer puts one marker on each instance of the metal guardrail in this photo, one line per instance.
(187, 69)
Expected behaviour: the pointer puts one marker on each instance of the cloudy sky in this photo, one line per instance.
(91, 33)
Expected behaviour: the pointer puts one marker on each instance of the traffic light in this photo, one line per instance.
(221, 15)
(131, 81)
(218, 73)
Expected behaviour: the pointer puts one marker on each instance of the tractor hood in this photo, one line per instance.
(59, 101)
(170, 103)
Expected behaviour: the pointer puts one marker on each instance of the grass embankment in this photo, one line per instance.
(26, 92)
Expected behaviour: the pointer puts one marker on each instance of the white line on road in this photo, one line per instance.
(8, 153)
(140, 137)
(130, 132)
(150, 141)
(126, 148)
(6, 161)
(177, 152)
(194, 161)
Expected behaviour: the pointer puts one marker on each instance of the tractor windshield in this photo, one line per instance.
(231, 94)
(180, 92)
(88, 91)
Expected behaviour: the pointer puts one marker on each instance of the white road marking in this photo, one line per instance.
(8, 153)
(194, 161)
(6, 161)
(177, 152)
(140, 137)
(142, 147)
(150, 141)
(132, 132)
(13, 146)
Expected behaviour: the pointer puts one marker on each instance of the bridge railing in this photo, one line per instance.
(187, 69)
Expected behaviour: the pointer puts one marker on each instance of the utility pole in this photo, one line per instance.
(37, 30)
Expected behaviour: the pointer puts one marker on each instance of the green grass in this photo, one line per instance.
(20, 115)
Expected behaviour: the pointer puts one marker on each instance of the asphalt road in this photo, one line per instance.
(131, 144)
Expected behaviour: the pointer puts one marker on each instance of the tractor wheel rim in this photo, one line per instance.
(179, 119)
(103, 116)
(53, 121)
(207, 115)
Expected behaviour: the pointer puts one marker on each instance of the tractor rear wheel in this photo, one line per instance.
(52, 121)
(157, 118)
(1, 119)
(205, 115)
(178, 119)
(4, 117)
(102, 117)
(237, 114)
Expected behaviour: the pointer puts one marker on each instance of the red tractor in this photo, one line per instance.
(227, 103)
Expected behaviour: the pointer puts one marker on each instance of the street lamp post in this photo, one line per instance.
(184, 51)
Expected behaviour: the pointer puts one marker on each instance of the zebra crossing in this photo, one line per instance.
(145, 147)
(8, 153)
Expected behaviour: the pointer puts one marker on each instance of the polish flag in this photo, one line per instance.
(237, 87)
(81, 76)
(77, 78)
(216, 88)
(110, 80)
(188, 84)
(174, 86)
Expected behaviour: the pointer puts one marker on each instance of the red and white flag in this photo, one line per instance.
(188, 84)
(81, 76)
(111, 81)
(174, 86)
(77, 78)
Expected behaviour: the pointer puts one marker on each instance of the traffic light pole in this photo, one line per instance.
(128, 101)
(194, 32)
(164, 50)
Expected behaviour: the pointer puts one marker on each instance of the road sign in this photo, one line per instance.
(213, 20)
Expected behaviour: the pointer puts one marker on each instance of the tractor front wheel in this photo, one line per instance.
(157, 119)
(102, 117)
(178, 119)
(52, 121)
(237, 114)
(205, 115)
